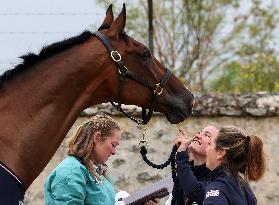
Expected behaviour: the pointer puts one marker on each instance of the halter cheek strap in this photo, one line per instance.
(126, 73)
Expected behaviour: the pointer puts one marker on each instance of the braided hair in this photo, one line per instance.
(82, 143)
(244, 153)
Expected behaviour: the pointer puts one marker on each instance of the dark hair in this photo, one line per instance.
(244, 153)
(81, 144)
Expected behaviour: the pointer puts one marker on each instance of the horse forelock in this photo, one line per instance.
(31, 59)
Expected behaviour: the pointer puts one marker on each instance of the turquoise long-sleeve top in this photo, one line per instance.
(70, 183)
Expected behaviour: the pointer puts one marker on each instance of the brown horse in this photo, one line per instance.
(41, 98)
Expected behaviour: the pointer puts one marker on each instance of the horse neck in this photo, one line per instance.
(39, 107)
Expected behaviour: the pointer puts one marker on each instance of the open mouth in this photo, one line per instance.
(196, 142)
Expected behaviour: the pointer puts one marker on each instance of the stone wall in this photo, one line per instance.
(256, 113)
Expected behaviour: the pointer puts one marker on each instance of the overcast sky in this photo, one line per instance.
(28, 25)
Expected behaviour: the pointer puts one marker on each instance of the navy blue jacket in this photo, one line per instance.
(225, 190)
(12, 189)
(193, 179)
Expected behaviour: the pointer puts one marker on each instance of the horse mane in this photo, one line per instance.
(31, 59)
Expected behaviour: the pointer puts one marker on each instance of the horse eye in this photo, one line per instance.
(146, 54)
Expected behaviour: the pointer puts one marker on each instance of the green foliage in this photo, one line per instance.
(262, 74)
(256, 66)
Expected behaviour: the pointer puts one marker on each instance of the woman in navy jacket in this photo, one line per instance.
(229, 154)
(190, 160)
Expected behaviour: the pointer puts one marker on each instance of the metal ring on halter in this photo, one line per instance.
(116, 58)
(158, 90)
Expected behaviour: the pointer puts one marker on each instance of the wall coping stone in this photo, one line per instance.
(261, 104)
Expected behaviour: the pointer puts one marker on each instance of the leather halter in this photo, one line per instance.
(126, 73)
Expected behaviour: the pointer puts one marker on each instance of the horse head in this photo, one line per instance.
(174, 100)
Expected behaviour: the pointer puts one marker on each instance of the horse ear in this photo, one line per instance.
(118, 25)
(108, 20)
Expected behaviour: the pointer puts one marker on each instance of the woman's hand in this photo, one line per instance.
(182, 141)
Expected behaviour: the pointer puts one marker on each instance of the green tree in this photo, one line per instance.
(255, 67)
(259, 75)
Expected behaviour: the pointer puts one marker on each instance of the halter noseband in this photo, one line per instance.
(126, 73)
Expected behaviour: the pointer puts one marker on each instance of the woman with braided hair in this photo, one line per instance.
(234, 159)
(82, 177)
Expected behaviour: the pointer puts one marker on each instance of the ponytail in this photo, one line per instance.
(244, 154)
(256, 164)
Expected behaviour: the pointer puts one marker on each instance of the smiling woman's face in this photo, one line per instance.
(201, 140)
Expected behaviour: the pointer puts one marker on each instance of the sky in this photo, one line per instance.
(28, 25)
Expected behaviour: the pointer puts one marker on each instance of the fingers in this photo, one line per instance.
(182, 131)
(181, 137)
(178, 141)
(182, 141)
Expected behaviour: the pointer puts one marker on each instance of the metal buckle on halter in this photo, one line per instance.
(143, 143)
(158, 90)
(124, 71)
(115, 56)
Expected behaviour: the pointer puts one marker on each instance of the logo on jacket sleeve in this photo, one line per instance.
(212, 193)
